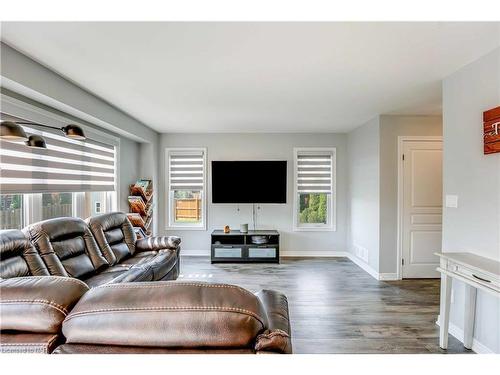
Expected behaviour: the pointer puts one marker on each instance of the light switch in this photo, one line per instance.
(451, 201)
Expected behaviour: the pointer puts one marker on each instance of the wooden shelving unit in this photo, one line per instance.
(140, 202)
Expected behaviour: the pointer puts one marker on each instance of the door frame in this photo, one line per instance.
(401, 141)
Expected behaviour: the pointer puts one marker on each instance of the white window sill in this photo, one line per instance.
(180, 227)
(314, 229)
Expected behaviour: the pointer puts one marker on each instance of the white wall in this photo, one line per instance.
(27, 80)
(129, 169)
(363, 146)
(275, 216)
(475, 225)
(391, 127)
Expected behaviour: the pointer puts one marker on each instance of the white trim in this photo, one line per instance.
(458, 333)
(392, 276)
(313, 254)
(399, 246)
(331, 225)
(366, 267)
(167, 192)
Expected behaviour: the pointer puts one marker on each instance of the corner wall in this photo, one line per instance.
(363, 234)
(475, 225)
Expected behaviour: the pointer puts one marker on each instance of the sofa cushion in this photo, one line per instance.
(167, 314)
(18, 257)
(67, 247)
(118, 274)
(158, 243)
(114, 235)
(37, 303)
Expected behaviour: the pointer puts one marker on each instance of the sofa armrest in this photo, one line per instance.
(38, 304)
(157, 243)
(278, 337)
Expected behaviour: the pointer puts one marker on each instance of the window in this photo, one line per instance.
(11, 211)
(69, 178)
(314, 200)
(186, 188)
(57, 205)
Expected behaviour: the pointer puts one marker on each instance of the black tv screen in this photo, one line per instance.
(248, 181)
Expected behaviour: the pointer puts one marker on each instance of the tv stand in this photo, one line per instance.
(237, 247)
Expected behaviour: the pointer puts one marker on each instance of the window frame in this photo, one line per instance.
(169, 194)
(32, 202)
(331, 224)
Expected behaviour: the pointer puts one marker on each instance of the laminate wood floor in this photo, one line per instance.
(336, 307)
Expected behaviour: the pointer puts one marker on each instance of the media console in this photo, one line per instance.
(238, 247)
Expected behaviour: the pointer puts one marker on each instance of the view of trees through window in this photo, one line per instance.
(313, 208)
(11, 211)
(187, 206)
(57, 205)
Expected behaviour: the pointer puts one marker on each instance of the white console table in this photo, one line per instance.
(477, 273)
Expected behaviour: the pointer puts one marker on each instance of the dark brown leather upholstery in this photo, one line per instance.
(278, 336)
(67, 247)
(155, 317)
(38, 303)
(107, 349)
(164, 314)
(117, 240)
(114, 235)
(177, 317)
(18, 257)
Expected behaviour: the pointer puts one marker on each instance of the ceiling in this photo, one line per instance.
(257, 77)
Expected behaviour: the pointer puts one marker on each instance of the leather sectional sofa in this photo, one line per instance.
(52, 314)
(104, 249)
(70, 286)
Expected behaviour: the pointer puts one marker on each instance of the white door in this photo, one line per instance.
(422, 207)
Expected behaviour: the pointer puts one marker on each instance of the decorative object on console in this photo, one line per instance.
(491, 128)
(141, 206)
(227, 229)
(244, 228)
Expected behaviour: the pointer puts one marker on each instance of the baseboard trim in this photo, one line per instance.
(287, 254)
(313, 254)
(366, 267)
(458, 333)
(195, 253)
(388, 276)
(363, 265)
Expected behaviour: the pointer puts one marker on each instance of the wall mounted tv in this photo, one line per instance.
(249, 181)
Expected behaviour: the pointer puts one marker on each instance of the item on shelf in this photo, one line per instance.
(227, 229)
(136, 220)
(259, 240)
(141, 206)
(244, 228)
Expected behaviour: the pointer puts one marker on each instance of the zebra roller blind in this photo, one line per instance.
(186, 169)
(314, 171)
(66, 165)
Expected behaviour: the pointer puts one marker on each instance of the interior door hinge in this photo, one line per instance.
(402, 262)
(403, 157)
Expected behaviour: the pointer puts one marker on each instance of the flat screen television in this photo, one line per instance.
(249, 181)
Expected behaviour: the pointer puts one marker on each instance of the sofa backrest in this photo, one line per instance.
(67, 247)
(18, 257)
(114, 235)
